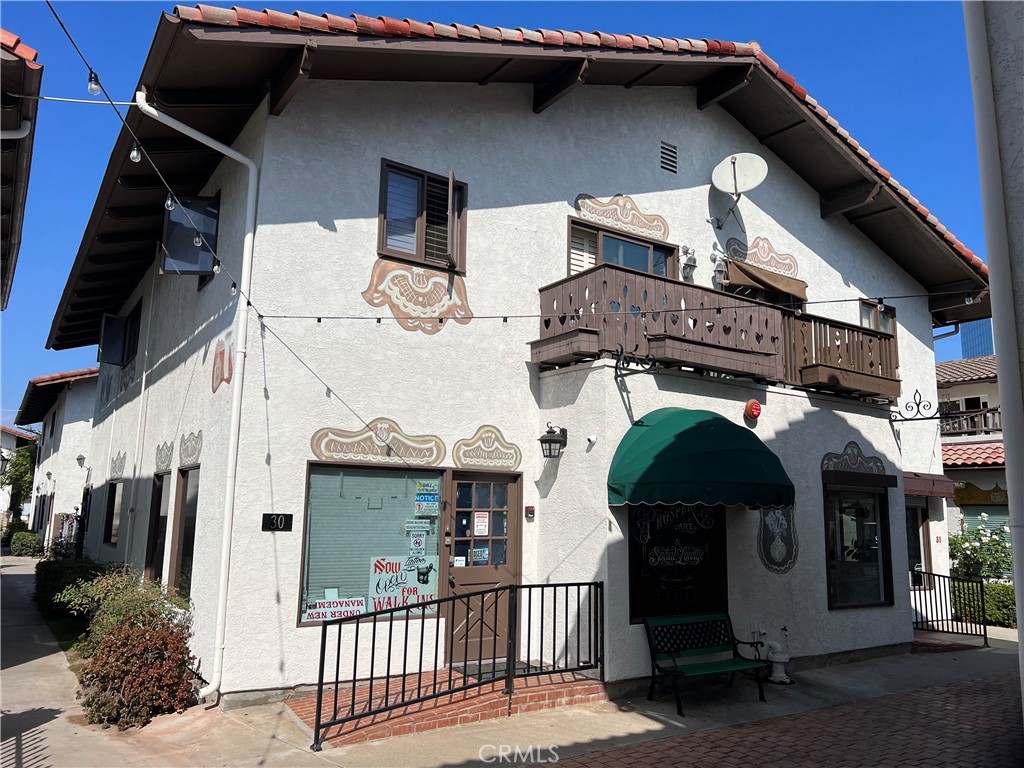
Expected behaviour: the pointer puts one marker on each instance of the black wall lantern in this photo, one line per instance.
(553, 441)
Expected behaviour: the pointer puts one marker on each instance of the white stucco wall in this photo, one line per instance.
(71, 417)
(314, 252)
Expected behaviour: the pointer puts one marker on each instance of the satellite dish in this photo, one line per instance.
(739, 173)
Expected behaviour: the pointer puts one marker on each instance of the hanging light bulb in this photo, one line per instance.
(216, 266)
(136, 154)
(169, 202)
(234, 289)
(197, 241)
(94, 83)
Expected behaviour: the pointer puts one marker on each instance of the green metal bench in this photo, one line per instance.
(678, 642)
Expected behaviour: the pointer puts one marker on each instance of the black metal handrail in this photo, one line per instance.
(548, 624)
(950, 604)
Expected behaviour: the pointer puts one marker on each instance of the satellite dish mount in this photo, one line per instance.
(735, 175)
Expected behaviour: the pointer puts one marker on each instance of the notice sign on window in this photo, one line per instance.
(481, 523)
(324, 610)
(399, 582)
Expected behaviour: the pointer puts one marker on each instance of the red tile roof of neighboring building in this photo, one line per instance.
(969, 369)
(42, 392)
(18, 433)
(973, 455)
(383, 26)
(11, 43)
(64, 378)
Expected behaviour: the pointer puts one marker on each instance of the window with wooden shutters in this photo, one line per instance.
(422, 217)
(590, 246)
(582, 249)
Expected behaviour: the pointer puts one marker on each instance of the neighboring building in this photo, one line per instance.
(972, 444)
(22, 78)
(62, 404)
(976, 338)
(399, 364)
(10, 441)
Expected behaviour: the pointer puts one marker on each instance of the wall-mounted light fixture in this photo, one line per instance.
(49, 475)
(721, 272)
(80, 459)
(4, 461)
(689, 264)
(553, 441)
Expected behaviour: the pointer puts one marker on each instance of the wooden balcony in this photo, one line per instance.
(606, 309)
(982, 421)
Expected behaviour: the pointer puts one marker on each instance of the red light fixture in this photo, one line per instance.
(752, 409)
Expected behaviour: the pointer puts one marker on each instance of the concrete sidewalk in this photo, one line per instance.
(42, 724)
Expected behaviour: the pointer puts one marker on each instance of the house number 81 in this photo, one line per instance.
(277, 522)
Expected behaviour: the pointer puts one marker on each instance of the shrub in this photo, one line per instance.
(1000, 608)
(114, 598)
(980, 552)
(140, 669)
(16, 524)
(60, 549)
(26, 544)
(54, 576)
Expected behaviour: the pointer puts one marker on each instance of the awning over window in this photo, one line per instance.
(679, 456)
(742, 273)
(923, 484)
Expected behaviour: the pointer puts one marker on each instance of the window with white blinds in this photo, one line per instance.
(582, 249)
(422, 217)
(355, 517)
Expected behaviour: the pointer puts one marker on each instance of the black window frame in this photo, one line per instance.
(457, 219)
(878, 485)
(111, 537)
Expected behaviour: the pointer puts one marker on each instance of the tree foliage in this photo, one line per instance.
(19, 475)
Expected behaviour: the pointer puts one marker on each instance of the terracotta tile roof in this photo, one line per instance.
(18, 433)
(973, 455)
(43, 391)
(384, 26)
(969, 369)
(11, 43)
(64, 378)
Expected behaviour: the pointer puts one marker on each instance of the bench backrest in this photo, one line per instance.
(670, 637)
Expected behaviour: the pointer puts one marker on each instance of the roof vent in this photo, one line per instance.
(669, 157)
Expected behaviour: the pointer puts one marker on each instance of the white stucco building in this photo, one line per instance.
(10, 441)
(62, 404)
(461, 236)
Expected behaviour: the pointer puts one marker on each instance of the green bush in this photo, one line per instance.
(16, 524)
(980, 551)
(26, 544)
(141, 668)
(1000, 605)
(116, 598)
(54, 576)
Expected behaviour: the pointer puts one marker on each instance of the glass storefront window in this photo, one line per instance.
(857, 531)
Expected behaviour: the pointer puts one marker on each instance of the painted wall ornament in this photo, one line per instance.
(127, 377)
(777, 543)
(382, 441)
(117, 465)
(191, 448)
(487, 448)
(621, 212)
(164, 456)
(761, 253)
(852, 459)
(420, 298)
(972, 494)
(223, 361)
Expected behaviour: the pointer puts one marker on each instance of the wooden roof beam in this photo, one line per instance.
(714, 88)
(849, 197)
(292, 78)
(567, 80)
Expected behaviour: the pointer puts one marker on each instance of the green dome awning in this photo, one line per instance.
(679, 456)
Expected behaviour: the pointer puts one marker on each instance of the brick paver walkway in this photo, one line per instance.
(976, 724)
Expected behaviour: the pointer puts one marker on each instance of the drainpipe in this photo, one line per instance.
(241, 334)
(1006, 315)
(18, 133)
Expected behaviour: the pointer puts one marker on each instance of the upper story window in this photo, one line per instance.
(422, 217)
(589, 246)
(878, 317)
(119, 337)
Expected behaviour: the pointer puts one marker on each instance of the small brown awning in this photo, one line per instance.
(742, 273)
(923, 484)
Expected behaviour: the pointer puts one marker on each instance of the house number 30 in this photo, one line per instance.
(277, 522)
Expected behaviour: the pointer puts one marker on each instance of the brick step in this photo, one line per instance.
(485, 702)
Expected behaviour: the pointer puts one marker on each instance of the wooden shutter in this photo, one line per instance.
(436, 245)
(582, 250)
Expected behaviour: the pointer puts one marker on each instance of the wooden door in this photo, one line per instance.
(482, 538)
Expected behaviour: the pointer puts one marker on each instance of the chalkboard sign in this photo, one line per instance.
(677, 560)
(277, 522)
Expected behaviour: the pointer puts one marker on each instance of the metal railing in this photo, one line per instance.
(948, 604)
(976, 422)
(400, 657)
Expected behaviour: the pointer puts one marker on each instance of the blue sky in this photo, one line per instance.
(895, 75)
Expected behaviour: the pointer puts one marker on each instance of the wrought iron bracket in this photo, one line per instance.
(624, 359)
(917, 410)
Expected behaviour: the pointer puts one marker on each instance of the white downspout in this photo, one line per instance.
(17, 133)
(241, 334)
(1005, 317)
